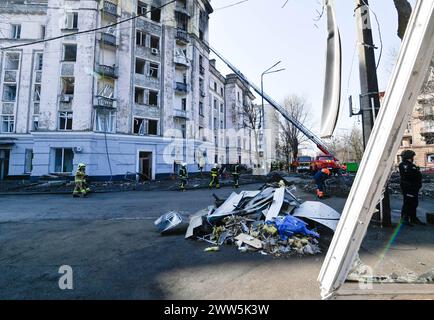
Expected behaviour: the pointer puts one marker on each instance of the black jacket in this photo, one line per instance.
(411, 178)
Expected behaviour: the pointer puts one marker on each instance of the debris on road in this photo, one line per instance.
(170, 222)
(262, 221)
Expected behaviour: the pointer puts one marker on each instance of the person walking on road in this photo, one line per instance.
(183, 176)
(81, 187)
(215, 172)
(236, 174)
(411, 182)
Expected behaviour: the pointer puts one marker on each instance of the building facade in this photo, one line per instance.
(128, 97)
(419, 135)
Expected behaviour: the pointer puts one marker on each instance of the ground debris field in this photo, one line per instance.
(116, 252)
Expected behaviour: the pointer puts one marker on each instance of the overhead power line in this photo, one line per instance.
(231, 5)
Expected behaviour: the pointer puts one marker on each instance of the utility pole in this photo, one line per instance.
(369, 92)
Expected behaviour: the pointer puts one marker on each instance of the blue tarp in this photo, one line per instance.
(288, 226)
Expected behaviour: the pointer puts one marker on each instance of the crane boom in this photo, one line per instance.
(308, 133)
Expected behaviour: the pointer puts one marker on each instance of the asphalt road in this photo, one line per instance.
(115, 252)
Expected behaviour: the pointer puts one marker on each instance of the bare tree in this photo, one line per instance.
(355, 143)
(290, 137)
(250, 115)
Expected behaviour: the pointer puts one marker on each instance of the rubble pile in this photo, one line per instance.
(271, 221)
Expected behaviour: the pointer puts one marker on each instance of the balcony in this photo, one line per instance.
(181, 87)
(107, 71)
(181, 60)
(110, 8)
(104, 102)
(181, 36)
(109, 39)
(183, 114)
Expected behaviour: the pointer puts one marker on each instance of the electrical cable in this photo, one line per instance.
(379, 33)
(230, 5)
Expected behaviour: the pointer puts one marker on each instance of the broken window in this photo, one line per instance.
(71, 20)
(12, 61)
(68, 85)
(139, 127)
(35, 123)
(140, 66)
(155, 42)
(145, 126)
(153, 98)
(37, 93)
(140, 38)
(16, 31)
(63, 159)
(39, 62)
(139, 95)
(155, 14)
(43, 30)
(105, 120)
(152, 127)
(8, 124)
(65, 120)
(106, 91)
(141, 8)
(9, 92)
(153, 70)
(181, 21)
(70, 52)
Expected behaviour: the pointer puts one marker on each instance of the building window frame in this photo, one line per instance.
(7, 124)
(65, 119)
(16, 31)
(105, 120)
(64, 167)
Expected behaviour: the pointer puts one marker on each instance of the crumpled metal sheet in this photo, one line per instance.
(318, 212)
(170, 222)
(332, 83)
(231, 203)
(276, 205)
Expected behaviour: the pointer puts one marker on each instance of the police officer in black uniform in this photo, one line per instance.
(411, 182)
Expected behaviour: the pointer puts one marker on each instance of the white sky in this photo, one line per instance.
(256, 34)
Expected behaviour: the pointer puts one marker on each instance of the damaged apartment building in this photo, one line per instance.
(137, 97)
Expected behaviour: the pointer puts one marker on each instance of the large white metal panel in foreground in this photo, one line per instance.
(402, 91)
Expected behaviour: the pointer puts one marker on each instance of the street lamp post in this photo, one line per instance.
(262, 88)
(261, 113)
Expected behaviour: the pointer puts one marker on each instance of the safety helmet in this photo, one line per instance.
(326, 171)
(184, 164)
(407, 154)
(81, 165)
(215, 165)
